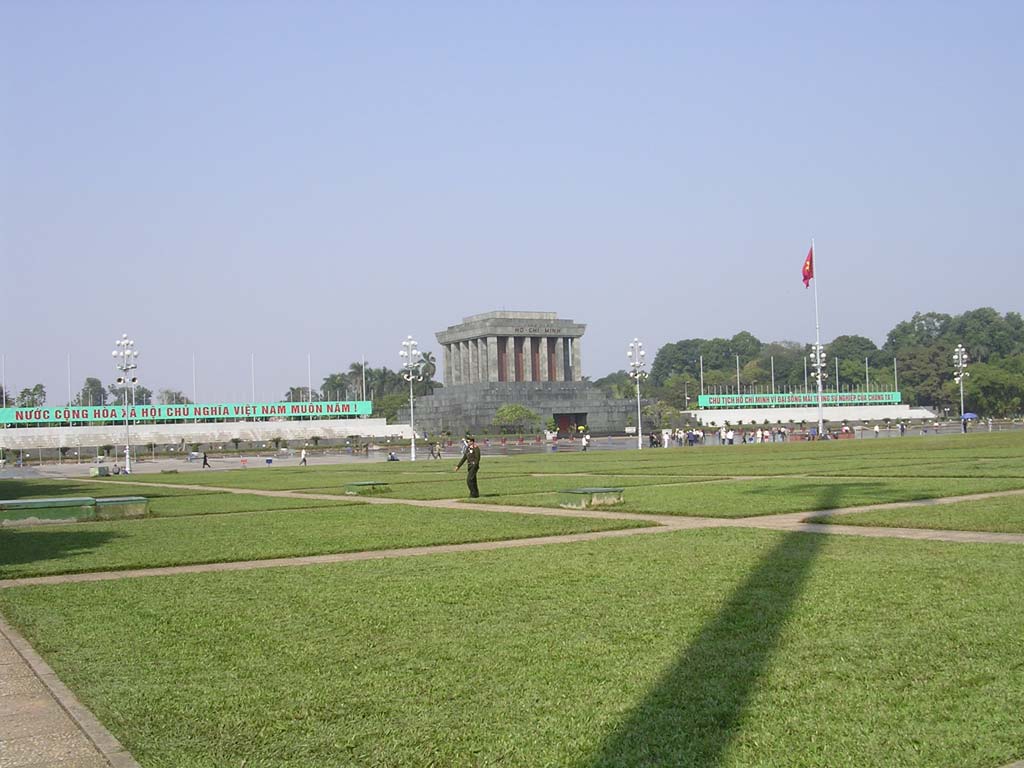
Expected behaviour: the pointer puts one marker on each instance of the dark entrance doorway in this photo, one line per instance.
(569, 424)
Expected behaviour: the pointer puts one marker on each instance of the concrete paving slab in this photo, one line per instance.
(41, 722)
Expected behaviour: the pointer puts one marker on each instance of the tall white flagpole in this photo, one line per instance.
(817, 340)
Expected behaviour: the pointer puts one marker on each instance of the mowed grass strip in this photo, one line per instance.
(497, 488)
(771, 496)
(59, 487)
(715, 647)
(322, 529)
(166, 502)
(1003, 514)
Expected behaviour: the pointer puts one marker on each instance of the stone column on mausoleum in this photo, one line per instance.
(559, 360)
(492, 358)
(577, 360)
(474, 361)
(456, 357)
(543, 358)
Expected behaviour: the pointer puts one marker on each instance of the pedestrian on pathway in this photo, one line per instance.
(471, 458)
(206, 462)
(302, 458)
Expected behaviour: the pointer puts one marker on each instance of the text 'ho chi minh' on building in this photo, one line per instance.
(532, 359)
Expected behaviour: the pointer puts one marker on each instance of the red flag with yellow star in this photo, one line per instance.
(808, 271)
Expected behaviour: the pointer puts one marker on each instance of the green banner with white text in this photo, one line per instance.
(767, 400)
(141, 414)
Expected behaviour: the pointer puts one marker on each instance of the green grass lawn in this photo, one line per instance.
(325, 529)
(769, 496)
(708, 648)
(1002, 515)
(717, 648)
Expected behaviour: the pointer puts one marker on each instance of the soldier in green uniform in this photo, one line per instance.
(471, 458)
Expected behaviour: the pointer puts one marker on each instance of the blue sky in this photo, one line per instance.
(282, 179)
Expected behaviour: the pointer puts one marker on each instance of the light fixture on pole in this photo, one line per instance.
(412, 370)
(125, 356)
(817, 357)
(960, 372)
(636, 353)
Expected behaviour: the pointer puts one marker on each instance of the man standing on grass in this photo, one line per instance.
(471, 458)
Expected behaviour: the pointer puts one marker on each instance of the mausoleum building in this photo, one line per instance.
(531, 358)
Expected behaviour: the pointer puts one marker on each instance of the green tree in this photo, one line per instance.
(301, 395)
(387, 406)
(992, 391)
(138, 394)
(172, 397)
(618, 385)
(922, 330)
(32, 397)
(660, 415)
(514, 417)
(91, 393)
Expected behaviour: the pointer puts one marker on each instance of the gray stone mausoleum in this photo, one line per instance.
(533, 359)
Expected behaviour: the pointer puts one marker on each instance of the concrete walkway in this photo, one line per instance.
(43, 724)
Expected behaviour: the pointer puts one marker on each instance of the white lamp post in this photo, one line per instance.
(125, 356)
(412, 370)
(636, 353)
(817, 357)
(960, 372)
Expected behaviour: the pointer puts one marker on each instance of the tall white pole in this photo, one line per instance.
(639, 422)
(69, 378)
(195, 398)
(635, 353)
(805, 374)
(737, 374)
(817, 341)
(867, 377)
(252, 373)
(309, 378)
(895, 377)
(412, 423)
(837, 374)
(702, 374)
(773, 374)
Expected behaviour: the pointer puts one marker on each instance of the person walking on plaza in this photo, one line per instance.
(206, 462)
(471, 458)
(302, 458)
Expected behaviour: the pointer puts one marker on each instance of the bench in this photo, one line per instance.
(366, 488)
(71, 509)
(584, 498)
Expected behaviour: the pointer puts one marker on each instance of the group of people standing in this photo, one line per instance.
(728, 436)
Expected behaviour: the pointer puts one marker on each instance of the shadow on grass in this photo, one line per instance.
(32, 545)
(695, 709)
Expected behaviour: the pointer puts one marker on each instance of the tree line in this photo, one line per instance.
(916, 358)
